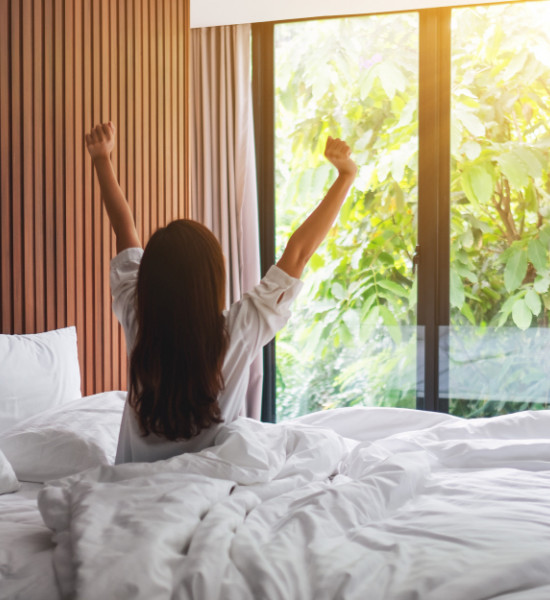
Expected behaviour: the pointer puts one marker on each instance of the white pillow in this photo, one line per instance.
(37, 371)
(66, 439)
(8, 480)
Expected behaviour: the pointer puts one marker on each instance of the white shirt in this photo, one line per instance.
(251, 323)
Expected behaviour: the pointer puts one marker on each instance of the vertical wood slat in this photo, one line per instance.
(180, 93)
(48, 199)
(146, 123)
(78, 163)
(184, 38)
(88, 341)
(168, 125)
(6, 304)
(64, 66)
(154, 192)
(38, 162)
(170, 111)
(97, 209)
(60, 200)
(117, 352)
(16, 114)
(27, 233)
(121, 104)
(131, 149)
(107, 341)
(160, 111)
(138, 120)
(69, 158)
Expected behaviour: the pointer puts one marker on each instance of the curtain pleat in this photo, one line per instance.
(223, 170)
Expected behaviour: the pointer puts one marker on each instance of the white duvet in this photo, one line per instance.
(449, 509)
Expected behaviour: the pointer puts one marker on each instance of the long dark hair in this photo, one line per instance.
(176, 363)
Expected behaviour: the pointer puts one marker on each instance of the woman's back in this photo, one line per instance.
(250, 324)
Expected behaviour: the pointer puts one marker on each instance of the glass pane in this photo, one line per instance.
(352, 337)
(493, 355)
(496, 371)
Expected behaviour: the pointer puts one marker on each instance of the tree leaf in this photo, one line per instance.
(366, 83)
(457, 290)
(467, 312)
(369, 300)
(304, 184)
(408, 113)
(467, 238)
(345, 334)
(537, 254)
(471, 122)
(413, 294)
(319, 179)
(386, 259)
(464, 272)
(514, 66)
(515, 270)
(533, 301)
(471, 149)
(531, 159)
(506, 308)
(338, 291)
(521, 314)
(312, 342)
(531, 198)
(352, 320)
(316, 261)
(544, 235)
(477, 184)
(514, 170)
(391, 323)
(391, 78)
(393, 287)
(541, 284)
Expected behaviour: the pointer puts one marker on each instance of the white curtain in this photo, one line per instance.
(223, 170)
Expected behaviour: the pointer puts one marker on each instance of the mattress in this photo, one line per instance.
(356, 503)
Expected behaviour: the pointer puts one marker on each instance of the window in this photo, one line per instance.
(442, 107)
(498, 341)
(352, 335)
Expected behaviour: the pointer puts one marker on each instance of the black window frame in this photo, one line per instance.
(434, 162)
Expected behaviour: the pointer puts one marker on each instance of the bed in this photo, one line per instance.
(380, 503)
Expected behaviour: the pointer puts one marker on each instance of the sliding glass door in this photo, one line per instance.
(498, 341)
(432, 290)
(352, 336)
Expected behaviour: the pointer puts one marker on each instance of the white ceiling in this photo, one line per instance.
(210, 13)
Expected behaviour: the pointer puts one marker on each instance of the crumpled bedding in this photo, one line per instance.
(450, 509)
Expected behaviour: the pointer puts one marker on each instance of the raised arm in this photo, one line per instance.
(100, 143)
(306, 239)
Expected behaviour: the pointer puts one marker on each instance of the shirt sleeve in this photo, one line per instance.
(123, 278)
(264, 310)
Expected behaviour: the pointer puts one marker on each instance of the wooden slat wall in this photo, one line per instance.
(64, 66)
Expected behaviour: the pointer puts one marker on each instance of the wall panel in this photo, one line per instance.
(64, 66)
(5, 166)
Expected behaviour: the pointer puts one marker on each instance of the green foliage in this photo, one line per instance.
(352, 337)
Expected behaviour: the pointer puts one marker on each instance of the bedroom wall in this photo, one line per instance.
(64, 66)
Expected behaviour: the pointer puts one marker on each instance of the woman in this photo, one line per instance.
(189, 360)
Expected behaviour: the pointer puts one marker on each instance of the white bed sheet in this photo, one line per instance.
(421, 506)
(26, 548)
(52, 443)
